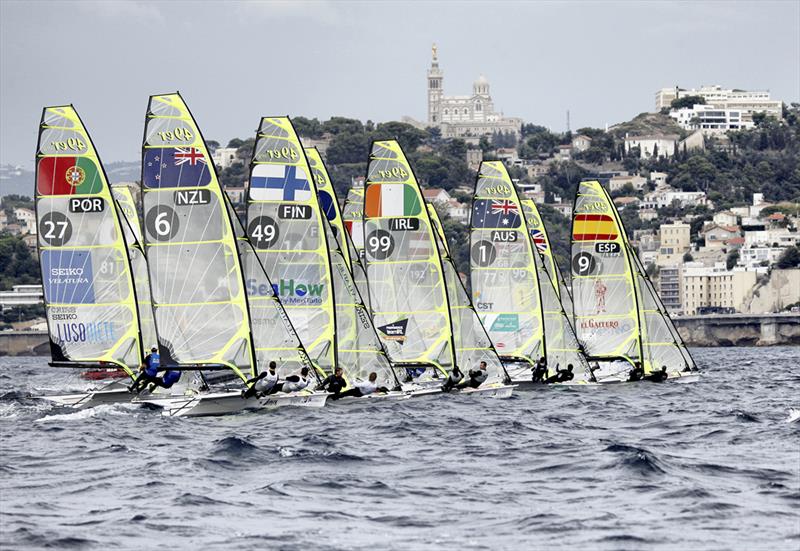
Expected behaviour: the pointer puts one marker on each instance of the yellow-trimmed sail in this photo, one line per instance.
(327, 199)
(132, 230)
(404, 270)
(285, 225)
(88, 286)
(197, 285)
(353, 216)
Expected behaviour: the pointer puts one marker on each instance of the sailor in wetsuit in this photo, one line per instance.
(333, 383)
(592, 369)
(476, 377)
(148, 371)
(171, 377)
(539, 371)
(453, 379)
(262, 384)
(561, 375)
(364, 388)
(637, 373)
(295, 383)
(658, 376)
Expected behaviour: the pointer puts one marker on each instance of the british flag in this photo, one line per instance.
(504, 207)
(539, 240)
(189, 155)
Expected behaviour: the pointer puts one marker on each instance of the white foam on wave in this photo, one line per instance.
(102, 409)
(794, 416)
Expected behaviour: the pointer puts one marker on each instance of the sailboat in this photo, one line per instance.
(513, 288)
(619, 317)
(198, 287)
(89, 291)
(417, 309)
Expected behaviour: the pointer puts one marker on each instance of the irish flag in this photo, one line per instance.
(391, 200)
(594, 227)
(68, 176)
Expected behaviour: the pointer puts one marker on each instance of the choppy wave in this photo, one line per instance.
(705, 465)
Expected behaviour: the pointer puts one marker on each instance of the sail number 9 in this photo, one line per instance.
(75, 144)
(583, 264)
(380, 244)
(162, 223)
(282, 153)
(179, 134)
(395, 172)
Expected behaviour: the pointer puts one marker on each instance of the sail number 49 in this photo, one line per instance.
(282, 153)
(182, 134)
(75, 144)
(395, 172)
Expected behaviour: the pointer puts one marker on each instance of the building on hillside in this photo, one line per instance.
(725, 218)
(668, 197)
(458, 211)
(508, 155)
(235, 194)
(709, 119)
(759, 257)
(696, 141)
(564, 208)
(656, 145)
(658, 179)
(3, 219)
(474, 158)
(564, 152)
(320, 143)
(31, 241)
(647, 213)
(704, 287)
(581, 143)
(623, 202)
(21, 295)
(26, 219)
(436, 196)
(620, 181)
(675, 241)
(536, 169)
(758, 101)
(465, 116)
(669, 288)
(716, 236)
(224, 157)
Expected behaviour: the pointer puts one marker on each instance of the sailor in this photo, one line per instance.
(476, 377)
(333, 383)
(262, 384)
(592, 369)
(363, 388)
(414, 373)
(171, 377)
(658, 376)
(148, 371)
(453, 379)
(561, 375)
(294, 383)
(636, 373)
(539, 371)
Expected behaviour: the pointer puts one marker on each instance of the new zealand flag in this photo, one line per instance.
(175, 167)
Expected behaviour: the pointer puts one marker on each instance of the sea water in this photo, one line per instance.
(708, 465)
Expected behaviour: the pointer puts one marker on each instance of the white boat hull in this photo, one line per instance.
(225, 403)
(684, 376)
(81, 400)
(490, 391)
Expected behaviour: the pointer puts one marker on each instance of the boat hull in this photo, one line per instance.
(81, 400)
(491, 391)
(226, 403)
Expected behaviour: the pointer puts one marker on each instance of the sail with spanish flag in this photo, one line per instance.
(89, 293)
(353, 216)
(618, 315)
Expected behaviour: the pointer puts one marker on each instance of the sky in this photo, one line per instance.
(235, 62)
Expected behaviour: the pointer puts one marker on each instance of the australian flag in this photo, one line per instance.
(492, 213)
(175, 167)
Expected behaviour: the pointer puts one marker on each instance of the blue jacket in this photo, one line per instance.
(152, 361)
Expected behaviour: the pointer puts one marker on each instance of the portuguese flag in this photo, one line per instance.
(68, 176)
(391, 200)
(594, 227)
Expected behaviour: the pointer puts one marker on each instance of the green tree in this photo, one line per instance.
(687, 101)
(732, 259)
(790, 258)
(307, 128)
(409, 137)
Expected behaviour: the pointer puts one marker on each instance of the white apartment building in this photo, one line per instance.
(27, 219)
(658, 179)
(657, 145)
(675, 240)
(664, 198)
(620, 181)
(669, 287)
(739, 100)
(711, 119)
(224, 157)
(717, 286)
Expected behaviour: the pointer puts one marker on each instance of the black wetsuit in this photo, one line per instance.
(657, 376)
(333, 384)
(561, 376)
(476, 378)
(452, 380)
(636, 374)
(148, 375)
(539, 373)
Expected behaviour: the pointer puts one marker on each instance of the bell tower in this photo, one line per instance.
(435, 90)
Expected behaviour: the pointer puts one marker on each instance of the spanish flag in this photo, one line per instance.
(594, 227)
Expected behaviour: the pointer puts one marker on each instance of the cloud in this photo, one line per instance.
(123, 9)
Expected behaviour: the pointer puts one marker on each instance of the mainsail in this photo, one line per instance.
(88, 286)
(285, 225)
(196, 278)
(132, 230)
(472, 343)
(353, 216)
(618, 314)
(512, 282)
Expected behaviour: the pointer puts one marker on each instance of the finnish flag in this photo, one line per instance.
(279, 183)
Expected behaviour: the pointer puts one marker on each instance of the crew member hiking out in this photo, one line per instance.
(658, 376)
(262, 384)
(539, 371)
(637, 373)
(453, 379)
(476, 377)
(171, 377)
(561, 375)
(363, 388)
(148, 371)
(295, 383)
(333, 383)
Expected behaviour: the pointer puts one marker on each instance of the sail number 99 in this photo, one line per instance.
(181, 134)
(75, 144)
(396, 172)
(380, 244)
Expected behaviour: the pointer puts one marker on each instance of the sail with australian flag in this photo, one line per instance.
(88, 286)
(198, 290)
(285, 225)
(512, 286)
(618, 316)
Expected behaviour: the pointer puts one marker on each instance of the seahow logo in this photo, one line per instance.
(292, 291)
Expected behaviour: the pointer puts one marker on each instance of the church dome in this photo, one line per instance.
(481, 81)
(481, 86)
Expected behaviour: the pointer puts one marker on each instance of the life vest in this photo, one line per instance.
(171, 377)
(153, 363)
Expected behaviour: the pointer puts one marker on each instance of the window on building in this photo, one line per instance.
(466, 110)
(446, 111)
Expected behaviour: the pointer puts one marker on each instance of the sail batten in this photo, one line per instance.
(89, 290)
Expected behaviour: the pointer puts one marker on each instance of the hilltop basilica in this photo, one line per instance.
(465, 116)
